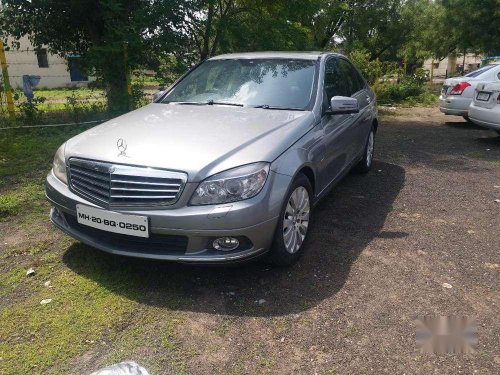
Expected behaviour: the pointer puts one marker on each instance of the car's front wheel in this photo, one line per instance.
(365, 163)
(294, 223)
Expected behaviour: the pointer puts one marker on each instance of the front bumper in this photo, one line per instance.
(456, 105)
(182, 234)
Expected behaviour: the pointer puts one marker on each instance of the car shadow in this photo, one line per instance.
(462, 125)
(345, 222)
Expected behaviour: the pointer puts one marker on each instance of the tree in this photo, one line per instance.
(473, 25)
(101, 32)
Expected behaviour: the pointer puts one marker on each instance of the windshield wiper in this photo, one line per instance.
(187, 103)
(212, 102)
(209, 102)
(267, 106)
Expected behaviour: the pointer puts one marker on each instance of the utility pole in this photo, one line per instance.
(6, 84)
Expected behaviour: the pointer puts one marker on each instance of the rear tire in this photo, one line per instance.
(366, 162)
(293, 223)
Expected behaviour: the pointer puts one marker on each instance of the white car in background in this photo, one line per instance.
(456, 94)
(485, 108)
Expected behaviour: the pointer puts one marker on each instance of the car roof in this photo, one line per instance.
(312, 55)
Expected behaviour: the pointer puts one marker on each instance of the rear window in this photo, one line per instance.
(480, 71)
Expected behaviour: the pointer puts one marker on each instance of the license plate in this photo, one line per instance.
(115, 222)
(483, 96)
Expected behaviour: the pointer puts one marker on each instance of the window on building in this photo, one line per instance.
(436, 65)
(41, 56)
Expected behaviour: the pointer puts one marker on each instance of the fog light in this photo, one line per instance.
(226, 243)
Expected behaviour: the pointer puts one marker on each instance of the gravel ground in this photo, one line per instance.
(380, 249)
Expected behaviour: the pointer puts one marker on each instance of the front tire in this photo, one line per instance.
(365, 163)
(293, 224)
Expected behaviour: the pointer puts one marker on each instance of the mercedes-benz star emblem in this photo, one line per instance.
(122, 147)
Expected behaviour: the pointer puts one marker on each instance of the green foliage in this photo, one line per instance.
(111, 36)
(114, 37)
(30, 111)
(472, 25)
(81, 107)
(410, 90)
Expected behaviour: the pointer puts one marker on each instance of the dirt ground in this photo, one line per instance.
(380, 249)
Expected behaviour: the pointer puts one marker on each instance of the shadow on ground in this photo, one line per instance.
(345, 222)
(439, 146)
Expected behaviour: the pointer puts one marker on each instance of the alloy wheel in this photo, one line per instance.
(296, 219)
(369, 149)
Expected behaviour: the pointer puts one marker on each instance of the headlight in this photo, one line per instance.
(233, 185)
(59, 165)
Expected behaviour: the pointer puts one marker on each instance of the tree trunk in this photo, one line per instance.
(114, 76)
(208, 31)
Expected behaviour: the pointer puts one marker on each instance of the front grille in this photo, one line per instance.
(156, 243)
(117, 185)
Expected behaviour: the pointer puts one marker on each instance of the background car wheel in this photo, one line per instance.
(293, 224)
(365, 163)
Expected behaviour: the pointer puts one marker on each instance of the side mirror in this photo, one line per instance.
(157, 95)
(343, 105)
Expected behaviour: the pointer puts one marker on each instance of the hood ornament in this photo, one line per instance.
(122, 147)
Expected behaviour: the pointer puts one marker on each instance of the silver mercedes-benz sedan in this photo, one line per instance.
(224, 166)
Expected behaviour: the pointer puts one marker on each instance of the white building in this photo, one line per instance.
(453, 64)
(55, 71)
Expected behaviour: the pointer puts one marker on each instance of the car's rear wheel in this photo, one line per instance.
(365, 163)
(294, 223)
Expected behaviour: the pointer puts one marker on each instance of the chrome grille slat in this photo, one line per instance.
(103, 192)
(143, 196)
(156, 180)
(145, 190)
(122, 186)
(141, 183)
(93, 174)
(89, 180)
(93, 196)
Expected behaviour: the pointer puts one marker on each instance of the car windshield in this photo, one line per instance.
(267, 83)
(480, 71)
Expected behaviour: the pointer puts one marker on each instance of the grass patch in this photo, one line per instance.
(36, 337)
(29, 152)
(27, 196)
(10, 280)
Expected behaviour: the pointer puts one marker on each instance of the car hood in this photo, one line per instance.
(198, 140)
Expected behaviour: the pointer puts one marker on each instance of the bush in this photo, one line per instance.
(410, 89)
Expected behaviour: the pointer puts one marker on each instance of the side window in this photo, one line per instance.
(335, 81)
(330, 78)
(359, 77)
(351, 76)
(341, 79)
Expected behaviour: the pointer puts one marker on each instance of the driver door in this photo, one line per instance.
(339, 131)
